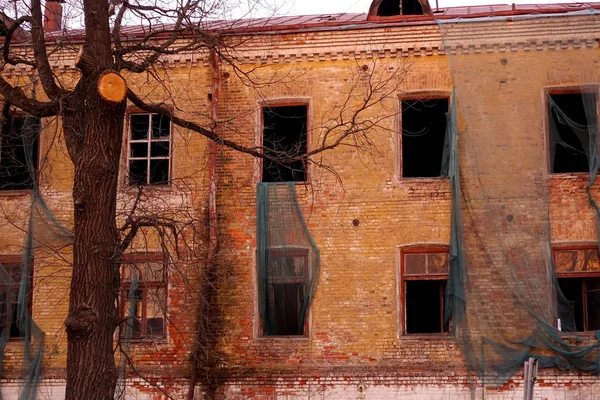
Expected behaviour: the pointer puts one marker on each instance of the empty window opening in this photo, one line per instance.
(284, 137)
(584, 293)
(424, 275)
(423, 137)
(569, 130)
(19, 153)
(149, 149)
(389, 8)
(286, 293)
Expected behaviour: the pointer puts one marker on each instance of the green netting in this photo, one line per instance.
(16, 321)
(288, 261)
(503, 295)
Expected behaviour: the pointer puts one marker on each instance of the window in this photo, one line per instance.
(287, 284)
(9, 294)
(423, 137)
(149, 149)
(424, 274)
(284, 135)
(578, 273)
(571, 117)
(19, 153)
(144, 299)
(396, 7)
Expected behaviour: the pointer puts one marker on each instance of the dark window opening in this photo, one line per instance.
(149, 149)
(423, 137)
(19, 153)
(584, 293)
(425, 306)
(424, 274)
(286, 293)
(284, 135)
(389, 8)
(570, 142)
(9, 302)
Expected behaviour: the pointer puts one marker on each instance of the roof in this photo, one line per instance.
(350, 21)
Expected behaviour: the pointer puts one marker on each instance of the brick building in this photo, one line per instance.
(363, 317)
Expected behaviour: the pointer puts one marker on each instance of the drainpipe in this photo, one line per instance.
(201, 332)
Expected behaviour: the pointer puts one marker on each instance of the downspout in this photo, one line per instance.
(201, 327)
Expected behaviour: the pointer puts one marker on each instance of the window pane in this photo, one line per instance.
(139, 149)
(138, 172)
(161, 126)
(287, 266)
(133, 312)
(159, 149)
(437, 263)
(159, 172)
(139, 125)
(582, 260)
(415, 264)
(155, 311)
(155, 327)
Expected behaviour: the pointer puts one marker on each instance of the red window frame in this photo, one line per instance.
(144, 287)
(404, 278)
(583, 275)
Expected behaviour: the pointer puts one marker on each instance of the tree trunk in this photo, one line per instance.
(93, 130)
(94, 135)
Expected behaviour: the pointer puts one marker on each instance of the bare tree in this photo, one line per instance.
(91, 106)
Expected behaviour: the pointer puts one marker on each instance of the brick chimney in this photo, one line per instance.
(53, 15)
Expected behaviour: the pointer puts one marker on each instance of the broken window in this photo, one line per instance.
(389, 8)
(578, 273)
(144, 299)
(19, 153)
(287, 283)
(424, 277)
(9, 294)
(423, 137)
(149, 149)
(284, 137)
(571, 119)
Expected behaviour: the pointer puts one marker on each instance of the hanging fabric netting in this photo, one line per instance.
(22, 340)
(288, 261)
(505, 212)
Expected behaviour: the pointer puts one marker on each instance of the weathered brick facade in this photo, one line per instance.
(360, 216)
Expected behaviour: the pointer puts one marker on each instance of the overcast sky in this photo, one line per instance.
(307, 7)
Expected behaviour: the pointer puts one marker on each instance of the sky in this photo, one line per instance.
(307, 7)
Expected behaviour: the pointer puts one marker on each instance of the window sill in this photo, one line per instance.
(426, 336)
(148, 188)
(423, 180)
(140, 341)
(569, 175)
(16, 193)
(283, 338)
